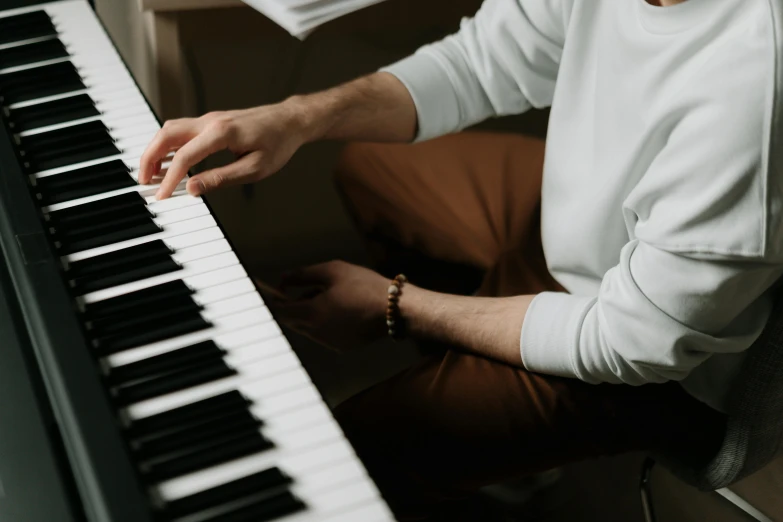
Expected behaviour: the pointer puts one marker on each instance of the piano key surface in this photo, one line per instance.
(80, 139)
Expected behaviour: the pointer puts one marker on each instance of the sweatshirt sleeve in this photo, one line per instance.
(696, 275)
(657, 316)
(502, 61)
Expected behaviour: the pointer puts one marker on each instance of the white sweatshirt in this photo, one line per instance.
(660, 214)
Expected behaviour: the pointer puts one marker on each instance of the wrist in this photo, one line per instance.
(414, 304)
(313, 115)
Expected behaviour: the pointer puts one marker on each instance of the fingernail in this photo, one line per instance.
(197, 188)
(158, 194)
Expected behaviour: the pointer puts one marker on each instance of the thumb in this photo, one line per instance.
(241, 170)
(297, 315)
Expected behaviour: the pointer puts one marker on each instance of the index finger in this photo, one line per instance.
(187, 157)
(172, 135)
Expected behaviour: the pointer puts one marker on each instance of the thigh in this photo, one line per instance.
(456, 422)
(462, 198)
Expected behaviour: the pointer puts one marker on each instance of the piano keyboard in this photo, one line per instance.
(222, 422)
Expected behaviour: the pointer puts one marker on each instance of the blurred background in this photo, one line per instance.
(195, 56)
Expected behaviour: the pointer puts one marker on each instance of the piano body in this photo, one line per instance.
(142, 377)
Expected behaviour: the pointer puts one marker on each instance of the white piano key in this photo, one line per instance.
(232, 305)
(271, 406)
(295, 420)
(199, 282)
(199, 237)
(201, 251)
(170, 232)
(182, 214)
(245, 381)
(218, 293)
(244, 327)
(173, 203)
(374, 511)
(335, 500)
(134, 142)
(254, 352)
(130, 125)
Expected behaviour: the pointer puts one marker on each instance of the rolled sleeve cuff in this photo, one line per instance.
(437, 106)
(550, 333)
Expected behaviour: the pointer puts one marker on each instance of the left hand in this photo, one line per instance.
(343, 306)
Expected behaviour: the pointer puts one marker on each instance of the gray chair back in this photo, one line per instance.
(754, 431)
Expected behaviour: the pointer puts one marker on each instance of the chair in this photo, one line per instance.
(754, 431)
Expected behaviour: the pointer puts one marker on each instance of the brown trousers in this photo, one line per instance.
(447, 212)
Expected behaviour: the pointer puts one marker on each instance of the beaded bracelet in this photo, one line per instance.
(393, 317)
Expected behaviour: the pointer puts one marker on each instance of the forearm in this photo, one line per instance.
(488, 326)
(377, 107)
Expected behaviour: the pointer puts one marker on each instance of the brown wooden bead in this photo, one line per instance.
(394, 298)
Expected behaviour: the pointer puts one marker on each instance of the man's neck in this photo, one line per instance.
(665, 3)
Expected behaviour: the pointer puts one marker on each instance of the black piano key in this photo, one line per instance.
(134, 232)
(165, 363)
(52, 113)
(187, 325)
(124, 304)
(85, 238)
(153, 267)
(106, 184)
(206, 371)
(29, 84)
(185, 417)
(130, 203)
(105, 149)
(35, 76)
(64, 138)
(107, 222)
(229, 449)
(119, 260)
(206, 435)
(66, 146)
(77, 178)
(25, 27)
(254, 484)
(120, 267)
(276, 506)
(32, 53)
(84, 182)
(151, 318)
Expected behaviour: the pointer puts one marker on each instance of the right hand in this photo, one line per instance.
(263, 139)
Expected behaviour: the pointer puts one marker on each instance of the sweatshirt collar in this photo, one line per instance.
(679, 17)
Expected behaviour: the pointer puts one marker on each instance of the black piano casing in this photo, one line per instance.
(107, 484)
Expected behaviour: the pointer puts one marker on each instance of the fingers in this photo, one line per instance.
(270, 291)
(173, 135)
(297, 315)
(208, 142)
(239, 171)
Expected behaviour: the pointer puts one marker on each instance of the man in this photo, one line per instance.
(660, 223)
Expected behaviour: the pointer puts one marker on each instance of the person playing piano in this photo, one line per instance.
(614, 323)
